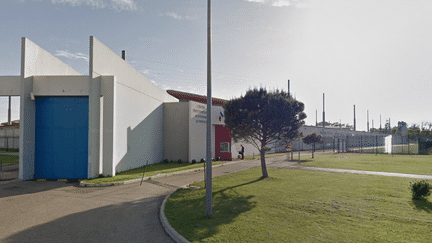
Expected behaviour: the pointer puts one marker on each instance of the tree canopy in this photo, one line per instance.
(313, 139)
(264, 118)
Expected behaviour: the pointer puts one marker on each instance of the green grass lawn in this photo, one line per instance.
(9, 159)
(9, 150)
(412, 148)
(302, 206)
(413, 164)
(153, 169)
(159, 168)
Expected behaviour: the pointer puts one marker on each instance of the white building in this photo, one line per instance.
(75, 126)
(114, 119)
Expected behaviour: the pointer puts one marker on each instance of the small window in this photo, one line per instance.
(225, 148)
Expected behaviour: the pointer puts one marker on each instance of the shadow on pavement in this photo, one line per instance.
(27, 187)
(135, 221)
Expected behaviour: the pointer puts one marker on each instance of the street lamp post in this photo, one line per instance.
(209, 125)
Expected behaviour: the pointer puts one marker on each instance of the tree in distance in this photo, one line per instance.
(263, 118)
(313, 139)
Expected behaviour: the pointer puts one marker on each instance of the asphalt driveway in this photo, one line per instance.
(54, 211)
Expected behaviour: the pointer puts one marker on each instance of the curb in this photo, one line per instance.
(82, 184)
(10, 181)
(168, 228)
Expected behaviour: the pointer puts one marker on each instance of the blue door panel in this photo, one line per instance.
(61, 137)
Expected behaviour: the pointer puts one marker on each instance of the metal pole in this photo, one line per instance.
(209, 125)
(354, 119)
(289, 88)
(323, 110)
(299, 150)
(368, 120)
(9, 112)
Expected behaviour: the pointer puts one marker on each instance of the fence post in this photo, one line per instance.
(376, 144)
(7, 144)
(408, 145)
(361, 144)
(333, 144)
(346, 145)
(299, 150)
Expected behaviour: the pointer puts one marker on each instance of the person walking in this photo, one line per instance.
(242, 152)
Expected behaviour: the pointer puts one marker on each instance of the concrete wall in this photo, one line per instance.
(197, 131)
(138, 110)
(61, 86)
(176, 131)
(250, 150)
(35, 61)
(107, 125)
(10, 85)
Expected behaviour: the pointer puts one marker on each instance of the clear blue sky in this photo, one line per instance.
(374, 54)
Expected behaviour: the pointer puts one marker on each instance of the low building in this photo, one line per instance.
(111, 120)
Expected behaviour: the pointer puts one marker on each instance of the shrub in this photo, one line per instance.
(101, 176)
(420, 189)
(179, 161)
(202, 160)
(193, 161)
(171, 161)
(165, 161)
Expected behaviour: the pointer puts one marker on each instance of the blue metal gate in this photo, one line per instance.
(61, 143)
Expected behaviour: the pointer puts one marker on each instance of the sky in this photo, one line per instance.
(376, 55)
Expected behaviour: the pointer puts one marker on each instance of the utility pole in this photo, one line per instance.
(9, 112)
(368, 121)
(289, 88)
(380, 124)
(209, 109)
(354, 119)
(323, 109)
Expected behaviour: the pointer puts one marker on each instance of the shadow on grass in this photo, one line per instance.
(303, 161)
(422, 205)
(186, 213)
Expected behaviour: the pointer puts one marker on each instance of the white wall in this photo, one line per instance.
(176, 131)
(61, 86)
(249, 149)
(35, 61)
(107, 125)
(10, 85)
(197, 131)
(138, 110)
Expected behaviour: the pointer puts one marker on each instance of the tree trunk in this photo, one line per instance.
(313, 150)
(263, 164)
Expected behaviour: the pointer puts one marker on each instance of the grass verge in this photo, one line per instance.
(9, 150)
(302, 206)
(160, 168)
(151, 170)
(413, 164)
(9, 159)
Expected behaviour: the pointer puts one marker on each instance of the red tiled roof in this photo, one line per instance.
(194, 97)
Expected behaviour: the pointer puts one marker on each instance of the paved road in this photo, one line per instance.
(60, 212)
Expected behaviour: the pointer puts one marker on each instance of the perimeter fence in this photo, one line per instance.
(9, 139)
(368, 143)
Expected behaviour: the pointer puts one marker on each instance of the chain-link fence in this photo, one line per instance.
(368, 143)
(9, 139)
